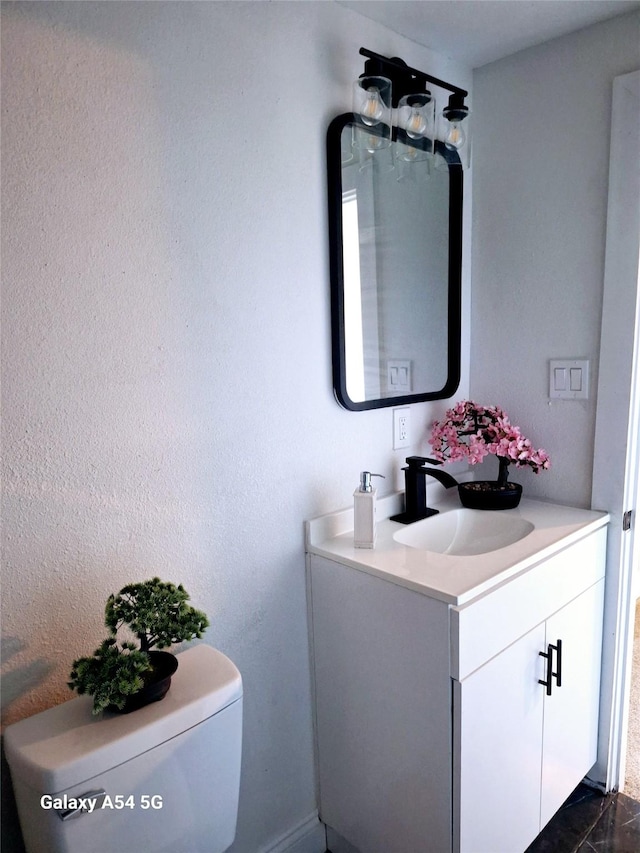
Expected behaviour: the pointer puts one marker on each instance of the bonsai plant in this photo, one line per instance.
(123, 676)
(470, 432)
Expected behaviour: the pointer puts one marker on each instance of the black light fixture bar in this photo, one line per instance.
(403, 77)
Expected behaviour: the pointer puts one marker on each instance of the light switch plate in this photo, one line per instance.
(569, 379)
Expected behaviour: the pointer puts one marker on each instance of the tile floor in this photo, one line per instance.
(587, 823)
(591, 823)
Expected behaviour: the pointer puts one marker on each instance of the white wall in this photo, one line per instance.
(167, 391)
(541, 163)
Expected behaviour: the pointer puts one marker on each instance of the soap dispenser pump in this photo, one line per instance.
(364, 512)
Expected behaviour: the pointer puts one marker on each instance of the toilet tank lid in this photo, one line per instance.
(67, 745)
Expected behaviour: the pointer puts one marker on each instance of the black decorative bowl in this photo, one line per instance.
(486, 494)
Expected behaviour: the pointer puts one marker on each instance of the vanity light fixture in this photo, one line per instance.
(390, 84)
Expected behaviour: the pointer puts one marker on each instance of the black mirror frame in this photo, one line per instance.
(334, 174)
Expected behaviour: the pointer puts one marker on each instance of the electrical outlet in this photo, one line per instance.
(401, 428)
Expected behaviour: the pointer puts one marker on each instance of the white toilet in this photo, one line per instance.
(163, 778)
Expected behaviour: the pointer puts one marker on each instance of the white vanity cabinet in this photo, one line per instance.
(433, 732)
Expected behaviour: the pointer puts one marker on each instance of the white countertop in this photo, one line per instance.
(454, 579)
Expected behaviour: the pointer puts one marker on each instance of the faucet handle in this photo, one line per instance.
(415, 462)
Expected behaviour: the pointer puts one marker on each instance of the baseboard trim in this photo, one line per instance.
(308, 836)
(337, 844)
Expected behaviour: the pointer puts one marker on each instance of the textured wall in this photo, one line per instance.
(167, 392)
(541, 165)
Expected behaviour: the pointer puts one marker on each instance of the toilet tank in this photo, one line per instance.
(163, 778)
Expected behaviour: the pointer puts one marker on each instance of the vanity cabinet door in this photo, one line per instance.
(571, 711)
(520, 751)
(498, 719)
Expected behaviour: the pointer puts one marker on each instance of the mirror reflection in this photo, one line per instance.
(396, 235)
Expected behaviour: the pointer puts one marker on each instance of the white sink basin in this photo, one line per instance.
(463, 532)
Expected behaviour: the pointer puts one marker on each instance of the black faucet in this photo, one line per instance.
(415, 492)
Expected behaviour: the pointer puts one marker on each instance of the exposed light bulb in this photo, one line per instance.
(416, 114)
(372, 105)
(455, 136)
(416, 125)
(373, 108)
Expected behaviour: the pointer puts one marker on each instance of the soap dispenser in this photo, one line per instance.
(364, 512)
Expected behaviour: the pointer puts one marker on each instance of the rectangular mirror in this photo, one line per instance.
(395, 226)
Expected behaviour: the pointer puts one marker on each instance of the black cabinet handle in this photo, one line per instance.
(548, 655)
(550, 673)
(558, 673)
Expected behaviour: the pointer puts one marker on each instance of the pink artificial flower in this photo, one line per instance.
(470, 432)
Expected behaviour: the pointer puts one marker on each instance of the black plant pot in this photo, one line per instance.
(487, 494)
(156, 683)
